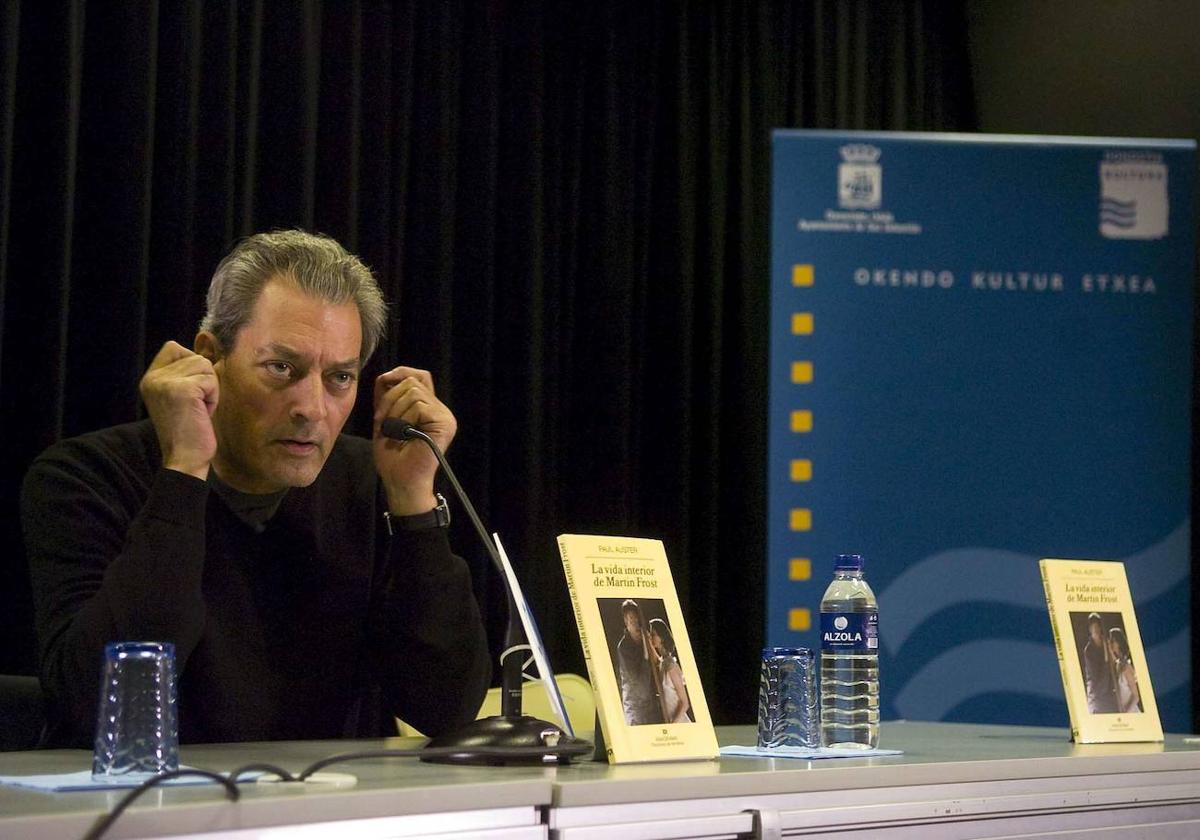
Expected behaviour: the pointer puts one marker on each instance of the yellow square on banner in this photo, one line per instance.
(800, 519)
(802, 275)
(802, 323)
(799, 618)
(799, 568)
(801, 421)
(802, 373)
(801, 470)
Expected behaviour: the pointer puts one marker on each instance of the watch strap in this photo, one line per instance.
(439, 517)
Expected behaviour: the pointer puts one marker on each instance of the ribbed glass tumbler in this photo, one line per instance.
(788, 709)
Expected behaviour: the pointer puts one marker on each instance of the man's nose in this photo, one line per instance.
(310, 399)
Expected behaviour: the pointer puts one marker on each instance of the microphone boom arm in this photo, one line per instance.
(511, 726)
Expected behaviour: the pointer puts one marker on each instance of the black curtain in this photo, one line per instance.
(567, 204)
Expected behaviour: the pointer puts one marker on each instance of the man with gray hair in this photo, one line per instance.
(303, 575)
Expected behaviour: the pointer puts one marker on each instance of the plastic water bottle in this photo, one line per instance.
(849, 659)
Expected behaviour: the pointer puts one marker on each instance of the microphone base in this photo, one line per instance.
(472, 742)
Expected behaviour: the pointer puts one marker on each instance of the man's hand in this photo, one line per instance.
(180, 392)
(407, 468)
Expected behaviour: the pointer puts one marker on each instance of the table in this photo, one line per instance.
(953, 781)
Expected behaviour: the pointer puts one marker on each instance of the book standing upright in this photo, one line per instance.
(1100, 654)
(649, 700)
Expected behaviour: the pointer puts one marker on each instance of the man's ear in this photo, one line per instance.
(206, 346)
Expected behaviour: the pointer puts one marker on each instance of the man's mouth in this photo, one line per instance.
(296, 446)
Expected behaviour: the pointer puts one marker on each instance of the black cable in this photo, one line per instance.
(433, 752)
(284, 776)
(355, 756)
(229, 782)
(105, 822)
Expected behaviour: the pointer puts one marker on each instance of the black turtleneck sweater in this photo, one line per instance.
(318, 624)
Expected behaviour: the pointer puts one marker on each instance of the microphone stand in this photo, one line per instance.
(510, 728)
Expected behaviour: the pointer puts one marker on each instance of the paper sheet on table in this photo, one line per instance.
(534, 637)
(60, 782)
(804, 752)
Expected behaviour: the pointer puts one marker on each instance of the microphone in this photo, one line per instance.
(510, 728)
(397, 429)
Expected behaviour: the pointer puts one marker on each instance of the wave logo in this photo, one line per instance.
(966, 636)
(860, 177)
(1133, 196)
(840, 623)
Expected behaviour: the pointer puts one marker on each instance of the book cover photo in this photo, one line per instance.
(649, 700)
(1100, 654)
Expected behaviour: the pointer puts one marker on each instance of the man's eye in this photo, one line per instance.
(343, 379)
(280, 369)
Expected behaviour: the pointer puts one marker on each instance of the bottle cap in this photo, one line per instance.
(848, 563)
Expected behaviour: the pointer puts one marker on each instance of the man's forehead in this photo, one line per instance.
(284, 291)
(287, 319)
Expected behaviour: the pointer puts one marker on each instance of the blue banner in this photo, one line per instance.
(981, 356)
